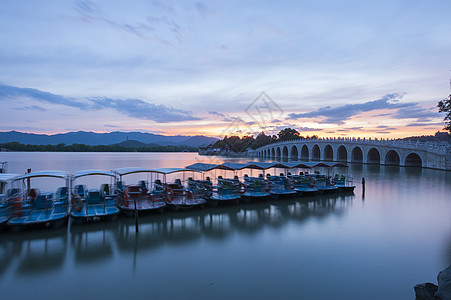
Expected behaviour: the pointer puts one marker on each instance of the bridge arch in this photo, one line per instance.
(342, 154)
(413, 160)
(294, 154)
(328, 153)
(374, 156)
(285, 152)
(278, 154)
(316, 153)
(304, 153)
(357, 154)
(392, 158)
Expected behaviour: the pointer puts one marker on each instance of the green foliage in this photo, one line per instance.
(237, 144)
(445, 106)
(15, 146)
(288, 134)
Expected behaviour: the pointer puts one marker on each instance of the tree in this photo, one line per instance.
(445, 106)
(288, 134)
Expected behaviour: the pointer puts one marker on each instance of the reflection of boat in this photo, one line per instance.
(41, 208)
(94, 242)
(93, 203)
(177, 195)
(6, 196)
(146, 196)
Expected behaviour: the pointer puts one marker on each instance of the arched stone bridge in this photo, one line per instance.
(369, 151)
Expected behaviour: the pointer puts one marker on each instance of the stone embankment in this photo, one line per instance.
(430, 291)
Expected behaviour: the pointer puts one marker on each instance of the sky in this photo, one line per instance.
(325, 67)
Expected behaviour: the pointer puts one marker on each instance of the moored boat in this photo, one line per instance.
(93, 204)
(281, 186)
(32, 207)
(178, 195)
(146, 196)
(344, 183)
(7, 194)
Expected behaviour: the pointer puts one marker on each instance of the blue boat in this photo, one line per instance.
(323, 183)
(225, 191)
(7, 194)
(33, 208)
(281, 186)
(344, 183)
(304, 184)
(93, 204)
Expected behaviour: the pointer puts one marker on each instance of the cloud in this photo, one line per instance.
(339, 114)
(159, 29)
(32, 107)
(11, 92)
(421, 124)
(416, 113)
(139, 109)
(216, 113)
(386, 127)
(300, 129)
(134, 108)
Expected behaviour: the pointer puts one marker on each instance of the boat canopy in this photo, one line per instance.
(131, 170)
(202, 167)
(4, 177)
(172, 170)
(93, 172)
(49, 173)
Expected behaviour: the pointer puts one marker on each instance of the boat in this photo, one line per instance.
(224, 191)
(344, 183)
(34, 208)
(255, 188)
(304, 184)
(281, 186)
(323, 183)
(178, 196)
(7, 194)
(92, 204)
(146, 196)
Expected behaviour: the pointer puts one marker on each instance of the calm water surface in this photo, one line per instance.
(376, 246)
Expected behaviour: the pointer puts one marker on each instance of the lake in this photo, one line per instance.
(372, 246)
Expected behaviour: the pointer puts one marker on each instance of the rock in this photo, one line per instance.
(444, 284)
(425, 291)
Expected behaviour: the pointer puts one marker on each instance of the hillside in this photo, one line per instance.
(94, 139)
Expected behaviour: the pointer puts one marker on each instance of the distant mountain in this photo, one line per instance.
(93, 138)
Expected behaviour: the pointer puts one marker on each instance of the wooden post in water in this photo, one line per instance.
(363, 187)
(28, 183)
(136, 215)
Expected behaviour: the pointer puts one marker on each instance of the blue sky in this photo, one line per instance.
(331, 68)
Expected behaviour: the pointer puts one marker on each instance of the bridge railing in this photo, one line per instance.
(435, 147)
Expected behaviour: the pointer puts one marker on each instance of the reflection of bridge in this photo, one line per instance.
(370, 151)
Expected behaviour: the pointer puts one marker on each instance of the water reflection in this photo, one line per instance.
(99, 243)
(30, 253)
